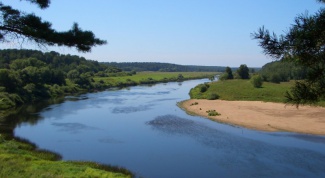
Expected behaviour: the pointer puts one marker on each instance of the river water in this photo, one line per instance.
(142, 129)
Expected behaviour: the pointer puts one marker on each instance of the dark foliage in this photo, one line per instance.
(257, 81)
(29, 75)
(229, 73)
(15, 24)
(243, 71)
(41, 3)
(282, 71)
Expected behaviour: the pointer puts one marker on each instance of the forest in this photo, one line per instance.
(282, 71)
(28, 75)
(165, 67)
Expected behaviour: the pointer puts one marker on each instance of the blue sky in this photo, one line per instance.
(188, 32)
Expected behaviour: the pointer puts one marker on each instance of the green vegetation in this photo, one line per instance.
(227, 75)
(29, 75)
(257, 81)
(151, 78)
(213, 113)
(195, 103)
(164, 67)
(243, 90)
(282, 71)
(21, 159)
(302, 44)
(242, 72)
(16, 25)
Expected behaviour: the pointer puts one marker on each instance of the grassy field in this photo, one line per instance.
(19, 159)
(244, 90)
(152, 77)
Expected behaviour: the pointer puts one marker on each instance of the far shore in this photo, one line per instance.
(264, 116)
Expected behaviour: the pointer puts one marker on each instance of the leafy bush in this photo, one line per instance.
(223, 77)
(213, 113)
(213, 96)
(257, 81)
(9, 100)
(204, 87)
(227, 75)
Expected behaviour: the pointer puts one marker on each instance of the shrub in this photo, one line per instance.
(213, 96)
(224, 76)
(213, 113)
(257, 81)
(204, 87)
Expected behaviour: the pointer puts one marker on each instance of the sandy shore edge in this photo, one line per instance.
(258, 115)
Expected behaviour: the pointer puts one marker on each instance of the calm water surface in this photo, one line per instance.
(142, 129)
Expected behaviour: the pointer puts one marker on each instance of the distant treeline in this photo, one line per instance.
(282, 71)
(275, 72)
(164, 67)
(30, 75)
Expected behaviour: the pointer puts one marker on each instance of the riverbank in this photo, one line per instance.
(23, 159)
(264, 116)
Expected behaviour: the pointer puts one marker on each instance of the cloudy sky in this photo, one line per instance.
(188, 32)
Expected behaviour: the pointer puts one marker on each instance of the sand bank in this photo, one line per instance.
(265, 116)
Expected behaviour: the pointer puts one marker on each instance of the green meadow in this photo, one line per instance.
(152, 77)
(243, 90)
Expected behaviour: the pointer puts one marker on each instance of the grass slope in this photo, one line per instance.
(243, 90)
(20, 159)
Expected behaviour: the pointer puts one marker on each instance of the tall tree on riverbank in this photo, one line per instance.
(229, 73)
(243, 71)
(16, 25)
(303, 44)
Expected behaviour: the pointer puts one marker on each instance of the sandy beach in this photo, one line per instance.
(265, 116)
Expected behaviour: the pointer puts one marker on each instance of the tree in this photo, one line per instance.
(243, 71)
(229, 72)
(15, 24)
(282, 71)
(303, 44)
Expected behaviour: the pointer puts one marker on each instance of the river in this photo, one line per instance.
(142, 129)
